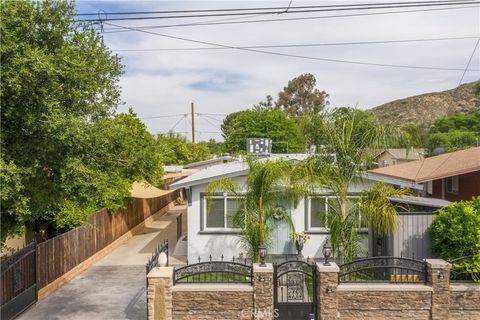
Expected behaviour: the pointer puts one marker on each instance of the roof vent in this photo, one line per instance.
(259, 146)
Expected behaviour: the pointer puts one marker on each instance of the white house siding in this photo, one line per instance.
(204, 243)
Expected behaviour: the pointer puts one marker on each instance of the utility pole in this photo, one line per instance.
(193, 123)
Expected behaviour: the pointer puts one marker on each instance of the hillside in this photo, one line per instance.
(425, 108)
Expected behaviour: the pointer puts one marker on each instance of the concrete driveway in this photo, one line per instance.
(114, 287)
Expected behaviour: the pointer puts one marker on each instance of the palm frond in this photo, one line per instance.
(379, 213)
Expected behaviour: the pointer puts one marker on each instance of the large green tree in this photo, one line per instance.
(261, 122)
(454, 133)
(301, 97)
(175, 149)
(64, 151)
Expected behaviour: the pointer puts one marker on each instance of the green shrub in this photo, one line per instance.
(455, 232)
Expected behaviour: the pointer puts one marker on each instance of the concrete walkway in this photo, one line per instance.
(114, 287)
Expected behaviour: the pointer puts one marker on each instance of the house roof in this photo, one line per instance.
(209, 161)
(181, 174)
(232, 169)
(421, 201)
(433, 168)
(405, 154)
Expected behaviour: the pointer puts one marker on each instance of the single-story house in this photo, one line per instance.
(391, 157)
(452, 176)
(210, 230)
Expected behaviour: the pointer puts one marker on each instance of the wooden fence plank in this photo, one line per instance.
(62, 253)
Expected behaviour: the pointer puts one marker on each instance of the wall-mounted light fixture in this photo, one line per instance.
(441, 276)
(263, 254)
(329, 289)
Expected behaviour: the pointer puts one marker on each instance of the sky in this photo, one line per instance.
(163, 83)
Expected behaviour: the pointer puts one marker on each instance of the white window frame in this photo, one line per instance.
(205, 213)
(326, 197)
(454, 184)
(309, 213)
(385, 163)
(430, 187)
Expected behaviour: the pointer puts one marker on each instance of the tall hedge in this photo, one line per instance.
(455, 233)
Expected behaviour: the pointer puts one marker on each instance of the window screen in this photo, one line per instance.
(233, 206)
(215, 213)
(317, 213)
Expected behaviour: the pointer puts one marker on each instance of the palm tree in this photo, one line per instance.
(350, 138)
(268, 182)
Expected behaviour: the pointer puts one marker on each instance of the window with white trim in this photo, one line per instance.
(320, 207)
(429, 187)
(452, 184)
(219, 212)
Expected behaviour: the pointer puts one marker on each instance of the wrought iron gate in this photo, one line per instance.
(19, 281)
(295, 290)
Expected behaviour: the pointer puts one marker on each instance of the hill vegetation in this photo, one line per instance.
(426, 108)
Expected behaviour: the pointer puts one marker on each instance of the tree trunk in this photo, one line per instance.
(260, 206)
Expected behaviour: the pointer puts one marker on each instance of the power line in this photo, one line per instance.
(176, 123)
(118, 30)
(299, 45)
(469, 60)
(216, 21)
(271, 8)
(209, 122)
(292, 10)
(218, 132)
(165, 116)
(291, 55)
(213, 114)
(210, 117)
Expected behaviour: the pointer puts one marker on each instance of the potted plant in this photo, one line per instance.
(299, 238)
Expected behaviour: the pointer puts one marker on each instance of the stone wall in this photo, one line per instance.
(465, 301)
(375, 302)
(213, 302)
(159, 293)
(263, 291)
(437, 299)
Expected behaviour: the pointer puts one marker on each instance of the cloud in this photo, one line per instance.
(219, 82)
(224, 81)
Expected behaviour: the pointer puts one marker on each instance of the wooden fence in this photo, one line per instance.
(62, 253)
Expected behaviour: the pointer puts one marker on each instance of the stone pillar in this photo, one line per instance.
(263, 292)
(438, 276)
(327, 283)
(159, 293)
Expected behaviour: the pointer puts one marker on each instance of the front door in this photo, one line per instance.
(280, 242)
(295, 290)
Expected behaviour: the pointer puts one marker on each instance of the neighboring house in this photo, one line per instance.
(210, 230)
(453, 176)
(175, 173)
(208, 163)
(391, 157)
